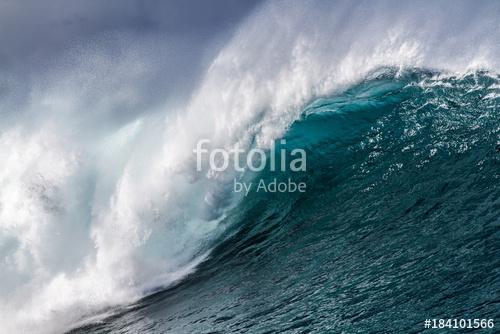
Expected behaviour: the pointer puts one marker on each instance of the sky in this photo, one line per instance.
(41, 39)
(32, 30)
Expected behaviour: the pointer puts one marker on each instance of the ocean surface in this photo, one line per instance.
(400, 221)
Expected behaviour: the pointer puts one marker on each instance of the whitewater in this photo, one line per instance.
(96, 214)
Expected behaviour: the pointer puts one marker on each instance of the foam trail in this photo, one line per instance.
(96, 218)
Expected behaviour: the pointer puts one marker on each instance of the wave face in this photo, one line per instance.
(402, 192)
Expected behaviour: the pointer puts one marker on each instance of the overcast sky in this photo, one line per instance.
(51, 42)
(32, 31)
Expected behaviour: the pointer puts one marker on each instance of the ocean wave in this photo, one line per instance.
(95, 215)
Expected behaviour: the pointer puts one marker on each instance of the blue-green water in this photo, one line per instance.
(399, 223)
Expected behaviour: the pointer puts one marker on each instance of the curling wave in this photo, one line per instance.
(398, 219)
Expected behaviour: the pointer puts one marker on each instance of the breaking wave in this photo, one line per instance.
(96, 214)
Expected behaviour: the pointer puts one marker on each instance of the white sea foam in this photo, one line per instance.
(94, 215)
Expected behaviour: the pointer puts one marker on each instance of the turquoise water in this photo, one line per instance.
(399, 223)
